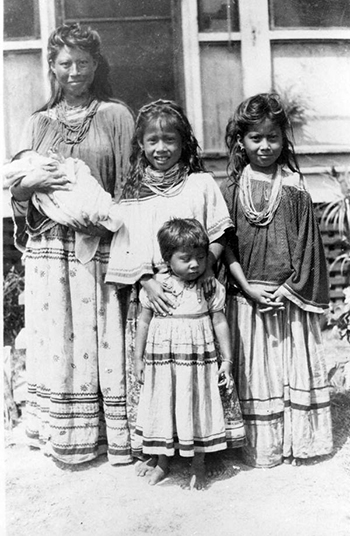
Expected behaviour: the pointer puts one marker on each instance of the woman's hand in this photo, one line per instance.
(47, 178)
(225, 376)
(161, 301)
(92, 229)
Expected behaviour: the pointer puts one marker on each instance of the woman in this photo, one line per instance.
(74, 321)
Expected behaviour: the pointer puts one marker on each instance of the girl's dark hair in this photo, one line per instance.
(170, 114)
(74, 36)
(252, 112)
(181, 233)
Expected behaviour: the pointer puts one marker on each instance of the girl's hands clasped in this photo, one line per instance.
(268, 298)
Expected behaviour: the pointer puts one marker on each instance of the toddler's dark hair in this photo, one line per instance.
(181, 233)
(251, 112)
(169, 113)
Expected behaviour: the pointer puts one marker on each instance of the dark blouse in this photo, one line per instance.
(288, 251)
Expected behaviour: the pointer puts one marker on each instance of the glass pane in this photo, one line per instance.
(315, 90)
(80, 9)
(310, 13)
(221, 78)
(218, 15)
(21, 19)
(132, 49)
(23, 94)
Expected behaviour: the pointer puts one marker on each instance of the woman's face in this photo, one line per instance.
(74, 70)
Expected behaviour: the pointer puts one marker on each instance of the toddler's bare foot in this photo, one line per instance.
(156, 475)
(146, 466)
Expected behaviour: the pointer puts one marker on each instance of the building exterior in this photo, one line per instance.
(206, 54)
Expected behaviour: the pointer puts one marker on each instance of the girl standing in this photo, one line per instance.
(282, 290)
(166, 180)
(180, 403)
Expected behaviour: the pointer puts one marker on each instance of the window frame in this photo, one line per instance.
(256, 39)
(47, 22)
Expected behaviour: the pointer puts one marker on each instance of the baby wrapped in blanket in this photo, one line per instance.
(84, 200)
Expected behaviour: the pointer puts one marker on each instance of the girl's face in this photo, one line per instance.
(162, 145)
(189, 264)
(74, 70)
(263, 144)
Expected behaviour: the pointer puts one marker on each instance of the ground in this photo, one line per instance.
(44, 498)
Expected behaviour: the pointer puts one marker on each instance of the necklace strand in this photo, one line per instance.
(74, 131)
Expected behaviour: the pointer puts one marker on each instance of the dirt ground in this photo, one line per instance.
(45, 498)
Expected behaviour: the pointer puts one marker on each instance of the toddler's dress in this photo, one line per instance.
(180, 405)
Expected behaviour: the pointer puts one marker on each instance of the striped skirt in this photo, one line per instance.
(180, 405)
(75, 352)
(282, 382)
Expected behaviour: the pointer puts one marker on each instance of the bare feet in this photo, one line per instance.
(290, 460)
(141, 469)
(156, 475)
(197, 480)
(215, 465)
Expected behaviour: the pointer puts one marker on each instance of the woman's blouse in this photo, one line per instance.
(105, 148)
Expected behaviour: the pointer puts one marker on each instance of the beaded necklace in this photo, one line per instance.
(262, 217)
(74, 122)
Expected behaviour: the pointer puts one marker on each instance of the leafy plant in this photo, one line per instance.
(13, 313)
(336, 215)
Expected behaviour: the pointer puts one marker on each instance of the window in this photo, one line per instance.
(310, 13)
(301, 48)
(21, 19)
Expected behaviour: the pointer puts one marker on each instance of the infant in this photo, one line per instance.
(84, 198)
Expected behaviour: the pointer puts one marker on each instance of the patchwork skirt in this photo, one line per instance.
(75, 325)
(180, 405)
(282, 382)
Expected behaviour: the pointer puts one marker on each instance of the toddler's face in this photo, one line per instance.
(189, 264)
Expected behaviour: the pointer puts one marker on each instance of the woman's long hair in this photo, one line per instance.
(73, 36)
(171, 115)
(250, 113)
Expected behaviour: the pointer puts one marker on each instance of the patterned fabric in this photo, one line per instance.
(75, 354)
(282, 382)
(280, 367)
(135, 250)
(75, 322)
(180, 405)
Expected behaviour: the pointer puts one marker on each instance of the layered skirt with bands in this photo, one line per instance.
(75, 325)
(180, 405)
(282, 382)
